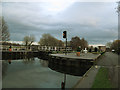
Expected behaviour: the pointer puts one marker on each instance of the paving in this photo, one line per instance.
(88, 78)
(82, 55)
(109, 60)
(0, 75)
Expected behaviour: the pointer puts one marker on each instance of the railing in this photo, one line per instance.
(50, 48)
(34, 48)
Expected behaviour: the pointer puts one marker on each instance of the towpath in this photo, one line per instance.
(109, 60)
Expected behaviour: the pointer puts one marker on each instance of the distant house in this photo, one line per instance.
(108, 49)
(102, 48)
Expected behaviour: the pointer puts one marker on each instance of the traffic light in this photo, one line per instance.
(64, 34)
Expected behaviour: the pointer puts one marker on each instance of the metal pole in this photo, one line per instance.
(64, 78)
(66, 47)
(64, 81)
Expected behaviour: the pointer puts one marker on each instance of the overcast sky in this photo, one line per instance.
(97, 22)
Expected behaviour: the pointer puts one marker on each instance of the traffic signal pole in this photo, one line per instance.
(66, 47)
(65, 36)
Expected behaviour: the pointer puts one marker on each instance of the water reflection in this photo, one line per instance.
(4, 67)
(9, 61)
(44, 63)
(77, 71)
(28, 60)
(15, 56)
(34, 72)
(6, 63)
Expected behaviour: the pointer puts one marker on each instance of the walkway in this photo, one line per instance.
(109, 60)
(87, 79)
(82, 55)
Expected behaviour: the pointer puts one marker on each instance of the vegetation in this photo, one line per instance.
(102, 79)
(76, 42)
(114, 45)
(118, 8)
(28, 40)
(109, 44)
(4, 32)
(48, 40)
(8, 43)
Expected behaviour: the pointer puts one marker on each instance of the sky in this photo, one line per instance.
(97, 22)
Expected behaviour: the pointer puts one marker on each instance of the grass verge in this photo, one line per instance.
(102, 79)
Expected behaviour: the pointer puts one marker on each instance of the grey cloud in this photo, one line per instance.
(96, 22)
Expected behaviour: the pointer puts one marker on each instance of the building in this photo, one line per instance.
(100, 47)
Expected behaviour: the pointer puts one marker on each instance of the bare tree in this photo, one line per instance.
(31, 39)
(109, 44)
(28, 40)
(4, 32)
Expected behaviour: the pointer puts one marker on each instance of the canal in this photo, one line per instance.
(38, 73)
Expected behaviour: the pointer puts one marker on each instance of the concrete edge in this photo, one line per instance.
(77, 58)
(82, 78)
(75, 86)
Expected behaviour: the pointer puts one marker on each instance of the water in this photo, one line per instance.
(33, 73)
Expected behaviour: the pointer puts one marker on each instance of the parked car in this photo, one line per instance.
(113, 50)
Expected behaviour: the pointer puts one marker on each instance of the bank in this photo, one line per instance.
(102, 79)
(104, 75)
